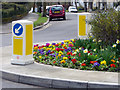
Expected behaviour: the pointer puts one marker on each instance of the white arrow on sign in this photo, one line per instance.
(17, 30)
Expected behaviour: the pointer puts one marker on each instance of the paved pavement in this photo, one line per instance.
(55, 77)
(7, 28)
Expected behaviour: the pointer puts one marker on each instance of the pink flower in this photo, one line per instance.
(70, 45)
(47, 44)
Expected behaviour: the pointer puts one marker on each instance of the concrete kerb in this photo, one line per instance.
(55, 82)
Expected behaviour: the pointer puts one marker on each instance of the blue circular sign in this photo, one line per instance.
(18, 29)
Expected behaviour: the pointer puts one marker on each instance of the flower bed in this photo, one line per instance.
(81, 54)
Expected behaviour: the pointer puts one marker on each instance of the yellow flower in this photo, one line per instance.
(50, 45)
(44, 48)
(64, 58)
(72, 40)
(59, 55)
(102, 49)
(40, 57)
(48, 49)
(117, 41)
(59, 42)
(63, 45)
(85, 51)
(53, 46)
(53, 49)
(65, 41)
(94, 40)
(60, 52)
(117, 61)
(77, 50)
(113, 60)
(63, 61)
(103, 62)
(99, 40)
(80, 48)
(94, 50)
(90, 36)
(114, 45)
(114, 57)
(36, 47)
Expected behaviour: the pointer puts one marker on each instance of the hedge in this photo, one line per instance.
(13, 11)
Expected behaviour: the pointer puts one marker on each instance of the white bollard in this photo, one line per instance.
(83, 27)
(22, 42)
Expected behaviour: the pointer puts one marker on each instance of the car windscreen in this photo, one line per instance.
(73, 8)
(56, 8)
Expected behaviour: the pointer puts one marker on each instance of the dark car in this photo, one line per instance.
(57, 11)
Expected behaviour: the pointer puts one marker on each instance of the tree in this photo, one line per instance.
(85, 6)
(90, 5)
(44, 9)
(76, 3)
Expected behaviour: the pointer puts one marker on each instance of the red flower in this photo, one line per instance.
(51, 52)
(57, 49)
(68, 53)
(65, 47)
(79, 54)
(68, 56)
(112, 65)
(43, 46)
(54, 62)
(61, 49)
(119, 58)
(88, 51)
(61, 44)
(57, 45)
(83, 64)
(92, 62)
(73, 54)
(74, 61)
(70, 45)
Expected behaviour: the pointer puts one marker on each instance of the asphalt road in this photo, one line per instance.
(10, 84)
(56, 30)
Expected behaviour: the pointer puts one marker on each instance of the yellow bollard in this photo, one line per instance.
(22, 42)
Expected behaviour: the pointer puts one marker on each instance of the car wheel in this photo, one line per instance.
(50, 19)
(64, 18)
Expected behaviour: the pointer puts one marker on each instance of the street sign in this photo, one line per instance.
(18, 29)
(22, 42)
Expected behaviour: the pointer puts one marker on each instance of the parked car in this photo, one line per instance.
(57, 11)
(72, 9)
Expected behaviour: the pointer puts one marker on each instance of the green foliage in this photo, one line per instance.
(40, 20)
(106, 26)
(10, 11)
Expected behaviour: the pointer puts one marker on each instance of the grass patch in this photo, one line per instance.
(40, 20)
(79, 11)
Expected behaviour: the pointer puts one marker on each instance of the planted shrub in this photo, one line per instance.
(106, 26)
(12, 10)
